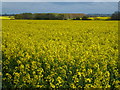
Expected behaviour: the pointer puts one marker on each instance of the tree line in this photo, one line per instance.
(40, 16)
(50, 16)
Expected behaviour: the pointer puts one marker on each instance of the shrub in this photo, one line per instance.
(115, 16)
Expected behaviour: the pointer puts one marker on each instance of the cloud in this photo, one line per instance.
(60, 0)
(61, 7)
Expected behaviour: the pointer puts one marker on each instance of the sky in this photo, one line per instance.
(60, 0)
(59, 7)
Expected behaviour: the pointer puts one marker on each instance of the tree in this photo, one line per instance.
(85, 18)
(51, 16)
(27, 16)
(18, 16)
(60, 16)
(115, 16)
(24, 16)
(37, 16)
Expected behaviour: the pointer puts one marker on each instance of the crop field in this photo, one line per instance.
(60, 54)
(6, 17)
(99, 18)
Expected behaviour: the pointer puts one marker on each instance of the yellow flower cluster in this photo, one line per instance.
(60, 54)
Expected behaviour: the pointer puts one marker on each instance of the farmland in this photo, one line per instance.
(60, 54)
(99, 18)
(6, 17)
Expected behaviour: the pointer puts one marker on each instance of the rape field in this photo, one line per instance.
(60, 54)
(6, 17)
(99, 18)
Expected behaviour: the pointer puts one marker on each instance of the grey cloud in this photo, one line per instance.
(64, 7)
(60, 0)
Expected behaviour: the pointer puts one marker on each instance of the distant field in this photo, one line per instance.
(60, 54)
(6, 17)
(101, 18)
